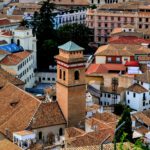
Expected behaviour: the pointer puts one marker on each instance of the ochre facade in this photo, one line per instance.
(71, 87)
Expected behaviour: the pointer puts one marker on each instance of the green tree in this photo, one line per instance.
(43, 29)
(118, 109)
(77, 33)
(49, 49)
(127, 127)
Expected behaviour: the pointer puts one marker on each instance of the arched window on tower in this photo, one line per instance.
(64, 75)
(60, 74)
(18, 42)
(76, 75)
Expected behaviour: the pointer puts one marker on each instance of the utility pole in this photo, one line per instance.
(114, 84)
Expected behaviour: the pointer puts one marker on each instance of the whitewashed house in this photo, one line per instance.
(108, 97)
(138, 94)
(20, 65)
(20, 36)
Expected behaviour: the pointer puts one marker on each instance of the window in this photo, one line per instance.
(43, 78)
(60, 74)
(48, 79)
(18, 42)
(140, 19)
(12, 41)
(76, 75)
(109, 59)
(140, 26)
(118, 59)
(60, 131)
(134, 94)
(108, 95)
(128, 92)
(64, 75)
(144, 103)
(53, 79)
(146, 19)
(128, 101)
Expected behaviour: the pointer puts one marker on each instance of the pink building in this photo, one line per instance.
(107, 17)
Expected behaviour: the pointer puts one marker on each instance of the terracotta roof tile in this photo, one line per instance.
(128, 40)
(143, 117)
(109, 90)
(145, 77)
(104, 68)
(121, 50)
(17, 108)
(4, 22)
(7, 77)
(7, 145)
(137, 88)
(74, 132)
(92, 138)
(48, 114)
(106, 117)
(15, 58)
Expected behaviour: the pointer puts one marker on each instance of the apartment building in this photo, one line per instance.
(109, 16)
(101, 2)
(75, 16)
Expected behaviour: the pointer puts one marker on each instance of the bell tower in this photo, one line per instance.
(70, 86)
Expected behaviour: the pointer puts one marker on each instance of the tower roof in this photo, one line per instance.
(70, 46)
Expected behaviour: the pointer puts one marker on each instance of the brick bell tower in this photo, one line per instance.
(70, 86)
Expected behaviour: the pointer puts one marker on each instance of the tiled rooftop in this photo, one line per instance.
(7, 77)
(15, 58)
(137, 88)
(48, 114)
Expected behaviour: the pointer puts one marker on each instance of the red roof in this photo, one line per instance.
(15, 58)
(7, 33)
(128, 40)
(132, 63)
(105, 68)
(4, 22)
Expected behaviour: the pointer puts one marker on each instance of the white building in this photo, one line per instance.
(22, 37)
(101, 2)
(74, 16)
(138, 95)
(20, 64)
(20, 59)
(108, 97)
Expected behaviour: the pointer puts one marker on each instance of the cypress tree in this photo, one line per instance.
(126, 128)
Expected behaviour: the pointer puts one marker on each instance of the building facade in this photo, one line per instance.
(76, 16)
(138, 95)
(102, 21)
